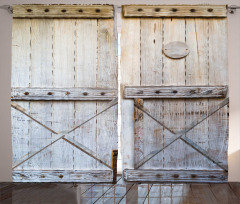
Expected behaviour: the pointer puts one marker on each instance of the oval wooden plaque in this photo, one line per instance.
(176, 50)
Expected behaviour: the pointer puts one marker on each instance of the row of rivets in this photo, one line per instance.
(64, 10)
(175, 10)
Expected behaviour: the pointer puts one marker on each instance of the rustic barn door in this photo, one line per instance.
(174, 93)
(64, 93)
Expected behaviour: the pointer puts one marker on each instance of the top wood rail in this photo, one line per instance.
(174, 10)
(62, 11)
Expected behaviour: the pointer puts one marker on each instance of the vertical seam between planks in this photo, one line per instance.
(96, 84)
(74, 77)
(29, 103)
(52, 86)
(163, 136)
(208, 58)
(185, 104)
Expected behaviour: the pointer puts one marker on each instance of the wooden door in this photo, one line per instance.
(64, 93)
(174, 101)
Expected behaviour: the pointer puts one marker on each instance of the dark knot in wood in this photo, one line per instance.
(85, 93)
(97, 10)
(26, 93)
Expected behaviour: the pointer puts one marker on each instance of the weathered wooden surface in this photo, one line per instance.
(187, 117)
(62, 11)
(54, 54)
(176, 50)
(175, 91)
(130, 75)
(63, 94)
(93, 176)
(175, 176)
(174, 10)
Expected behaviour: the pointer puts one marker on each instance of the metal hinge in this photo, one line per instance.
(8, 8)
(232, 9)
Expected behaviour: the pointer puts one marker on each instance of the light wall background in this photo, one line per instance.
(5, 76)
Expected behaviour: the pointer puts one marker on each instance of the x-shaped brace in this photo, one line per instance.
(180, 135)
(63, 135)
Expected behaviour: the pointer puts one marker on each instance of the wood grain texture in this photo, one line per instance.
(130, 75)
(94, 176)
(63, 94)
(174, 11)
(175, 91)
(176, 50)
(218, 56)
(21, 63)
(175, 176)
(62, 11)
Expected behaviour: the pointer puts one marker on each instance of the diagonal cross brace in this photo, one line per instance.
(181, 134)
(33, 153)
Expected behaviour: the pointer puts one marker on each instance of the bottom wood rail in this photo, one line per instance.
(80, 176)
(175, 176)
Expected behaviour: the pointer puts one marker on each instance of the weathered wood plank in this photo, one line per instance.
(41, 76)
(21, 62)
(107, 76)
(62, 11)
(173, 111)
(130, 75)
(65, 94)
(184, 139)
(86, 150)
(197, 66)
(93, 176)
(174, 11)
(218, 75)
(181, 133)
(85, 76)
(175, 91)
(148, 133)
(175, 176)
(63, 70)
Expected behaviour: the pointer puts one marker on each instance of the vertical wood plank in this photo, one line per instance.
(173, 110)
(21, 49)
(41, 76)
(130, 75)
(85, 76)
(150, 133)
(197, 74)
(218, 74)
(107, 134)
(63, 112)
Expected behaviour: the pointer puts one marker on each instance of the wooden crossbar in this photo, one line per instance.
(184, 139)
(181, 133)
(32, 154)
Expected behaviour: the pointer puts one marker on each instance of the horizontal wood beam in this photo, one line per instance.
(175, 176)
(62, 94)
(82, 176)
(62, 11)
(175, 92)
(174, 11)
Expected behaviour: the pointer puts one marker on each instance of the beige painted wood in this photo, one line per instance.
(175, 176)
(62, 11)
(21, 63)
(174, 11)
(93, 176)
(189, 92)
(176, 49)
(218, 74)
(130, 75)
(63, 94)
